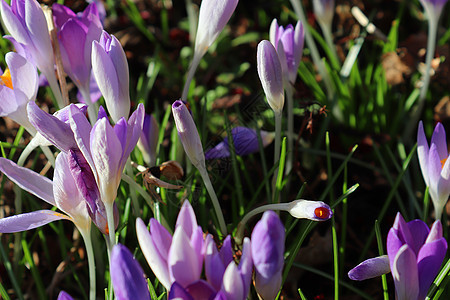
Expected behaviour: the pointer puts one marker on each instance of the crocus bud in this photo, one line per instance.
(127, 276)
(148, 142)
(110, 68)
(213, 17)
(268, 254)
(245, 142)
(312, 210)
(292, 41)
(64, 296)
(433, 8)
(271, 76)
(187, 131)
(324, 11)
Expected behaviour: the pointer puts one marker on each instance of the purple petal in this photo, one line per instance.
(13, 24)
(119, 60)
(419, 230)
(8, 103)
(232, 284)
(160, 237)
(435, 232)
(38, 31)
(53, 129)
(127, 276)
(268, 245)
(81, 129)
(429, 263)
(370, 268)
(439, 139)
(183, 257)
(24, 75)
(61, 14)
(28, 180)
(405, 274)
(214, 267)
(201, 290)
(246, 266)
(270, 75)
(148, 141)
(267, 288)
(29, 221)
(178, 292)
(186, 218)
(64, 296)
(94, 91)
(154, 259)
(422, 152)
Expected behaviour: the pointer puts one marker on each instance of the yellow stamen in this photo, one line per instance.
(5, 79)
(443, 162)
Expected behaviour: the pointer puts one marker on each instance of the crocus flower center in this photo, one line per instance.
(5, 79)
(322, 213)
(443, 162)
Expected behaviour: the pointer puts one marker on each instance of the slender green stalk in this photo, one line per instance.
(86, 234)
(11, 273)
(92, 107)
(215, 201)
(381, 252)
(53, 83)
(34, 271)
(129, 171)
(290, 128)
(326, 30)
(277, 149)
(109, 207)
(190, 75)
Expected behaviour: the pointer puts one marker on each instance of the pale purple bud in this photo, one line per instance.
(188, 134)
(148, 142)
(324, 11)
(213, 17)
(312, 210)
(110, 68)
(64, 296)
(433, 8)
(270, 75)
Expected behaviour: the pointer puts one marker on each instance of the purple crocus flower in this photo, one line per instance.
(76, 32)
(268, 254)
(62, 193)
(324, 11)
(110, 68)
(188, 134)
(245, 142)
(197, 290)
(148, 142)
(292, 41)
(173, 259)
(415, 255)
(435, 166)
(270, 74)
(433, 8)
(26, 23)
(64, 296)
(18, 86)
(222, 272)
(127, 276)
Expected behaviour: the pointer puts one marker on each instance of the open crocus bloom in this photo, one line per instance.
(18, 86)
(415, 255)
(178, 258)
(292, 41)
(62, 193)
(245, 142)
(435, 166)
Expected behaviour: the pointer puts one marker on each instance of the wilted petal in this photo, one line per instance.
(270, 75)
(157, 263)
(127, 276)
(312, 210)
(370, 268)
(28, 180)
(405, 273)
(29, 221)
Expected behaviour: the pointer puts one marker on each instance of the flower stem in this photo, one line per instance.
(277, 149)
(109, 206)
(92, 107)
(192, 68)
(215, 201)
(290, 134)
(86, 234)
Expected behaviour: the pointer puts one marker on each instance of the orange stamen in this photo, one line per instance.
(443, 162)
(5, 79)
(322, 213)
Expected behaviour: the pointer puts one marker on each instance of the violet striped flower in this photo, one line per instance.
(435, 166)
(245, 141)
(18, 86)
(127, 276)
(292, 41)
(415, 255)
(110, 68)
(268, 254)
